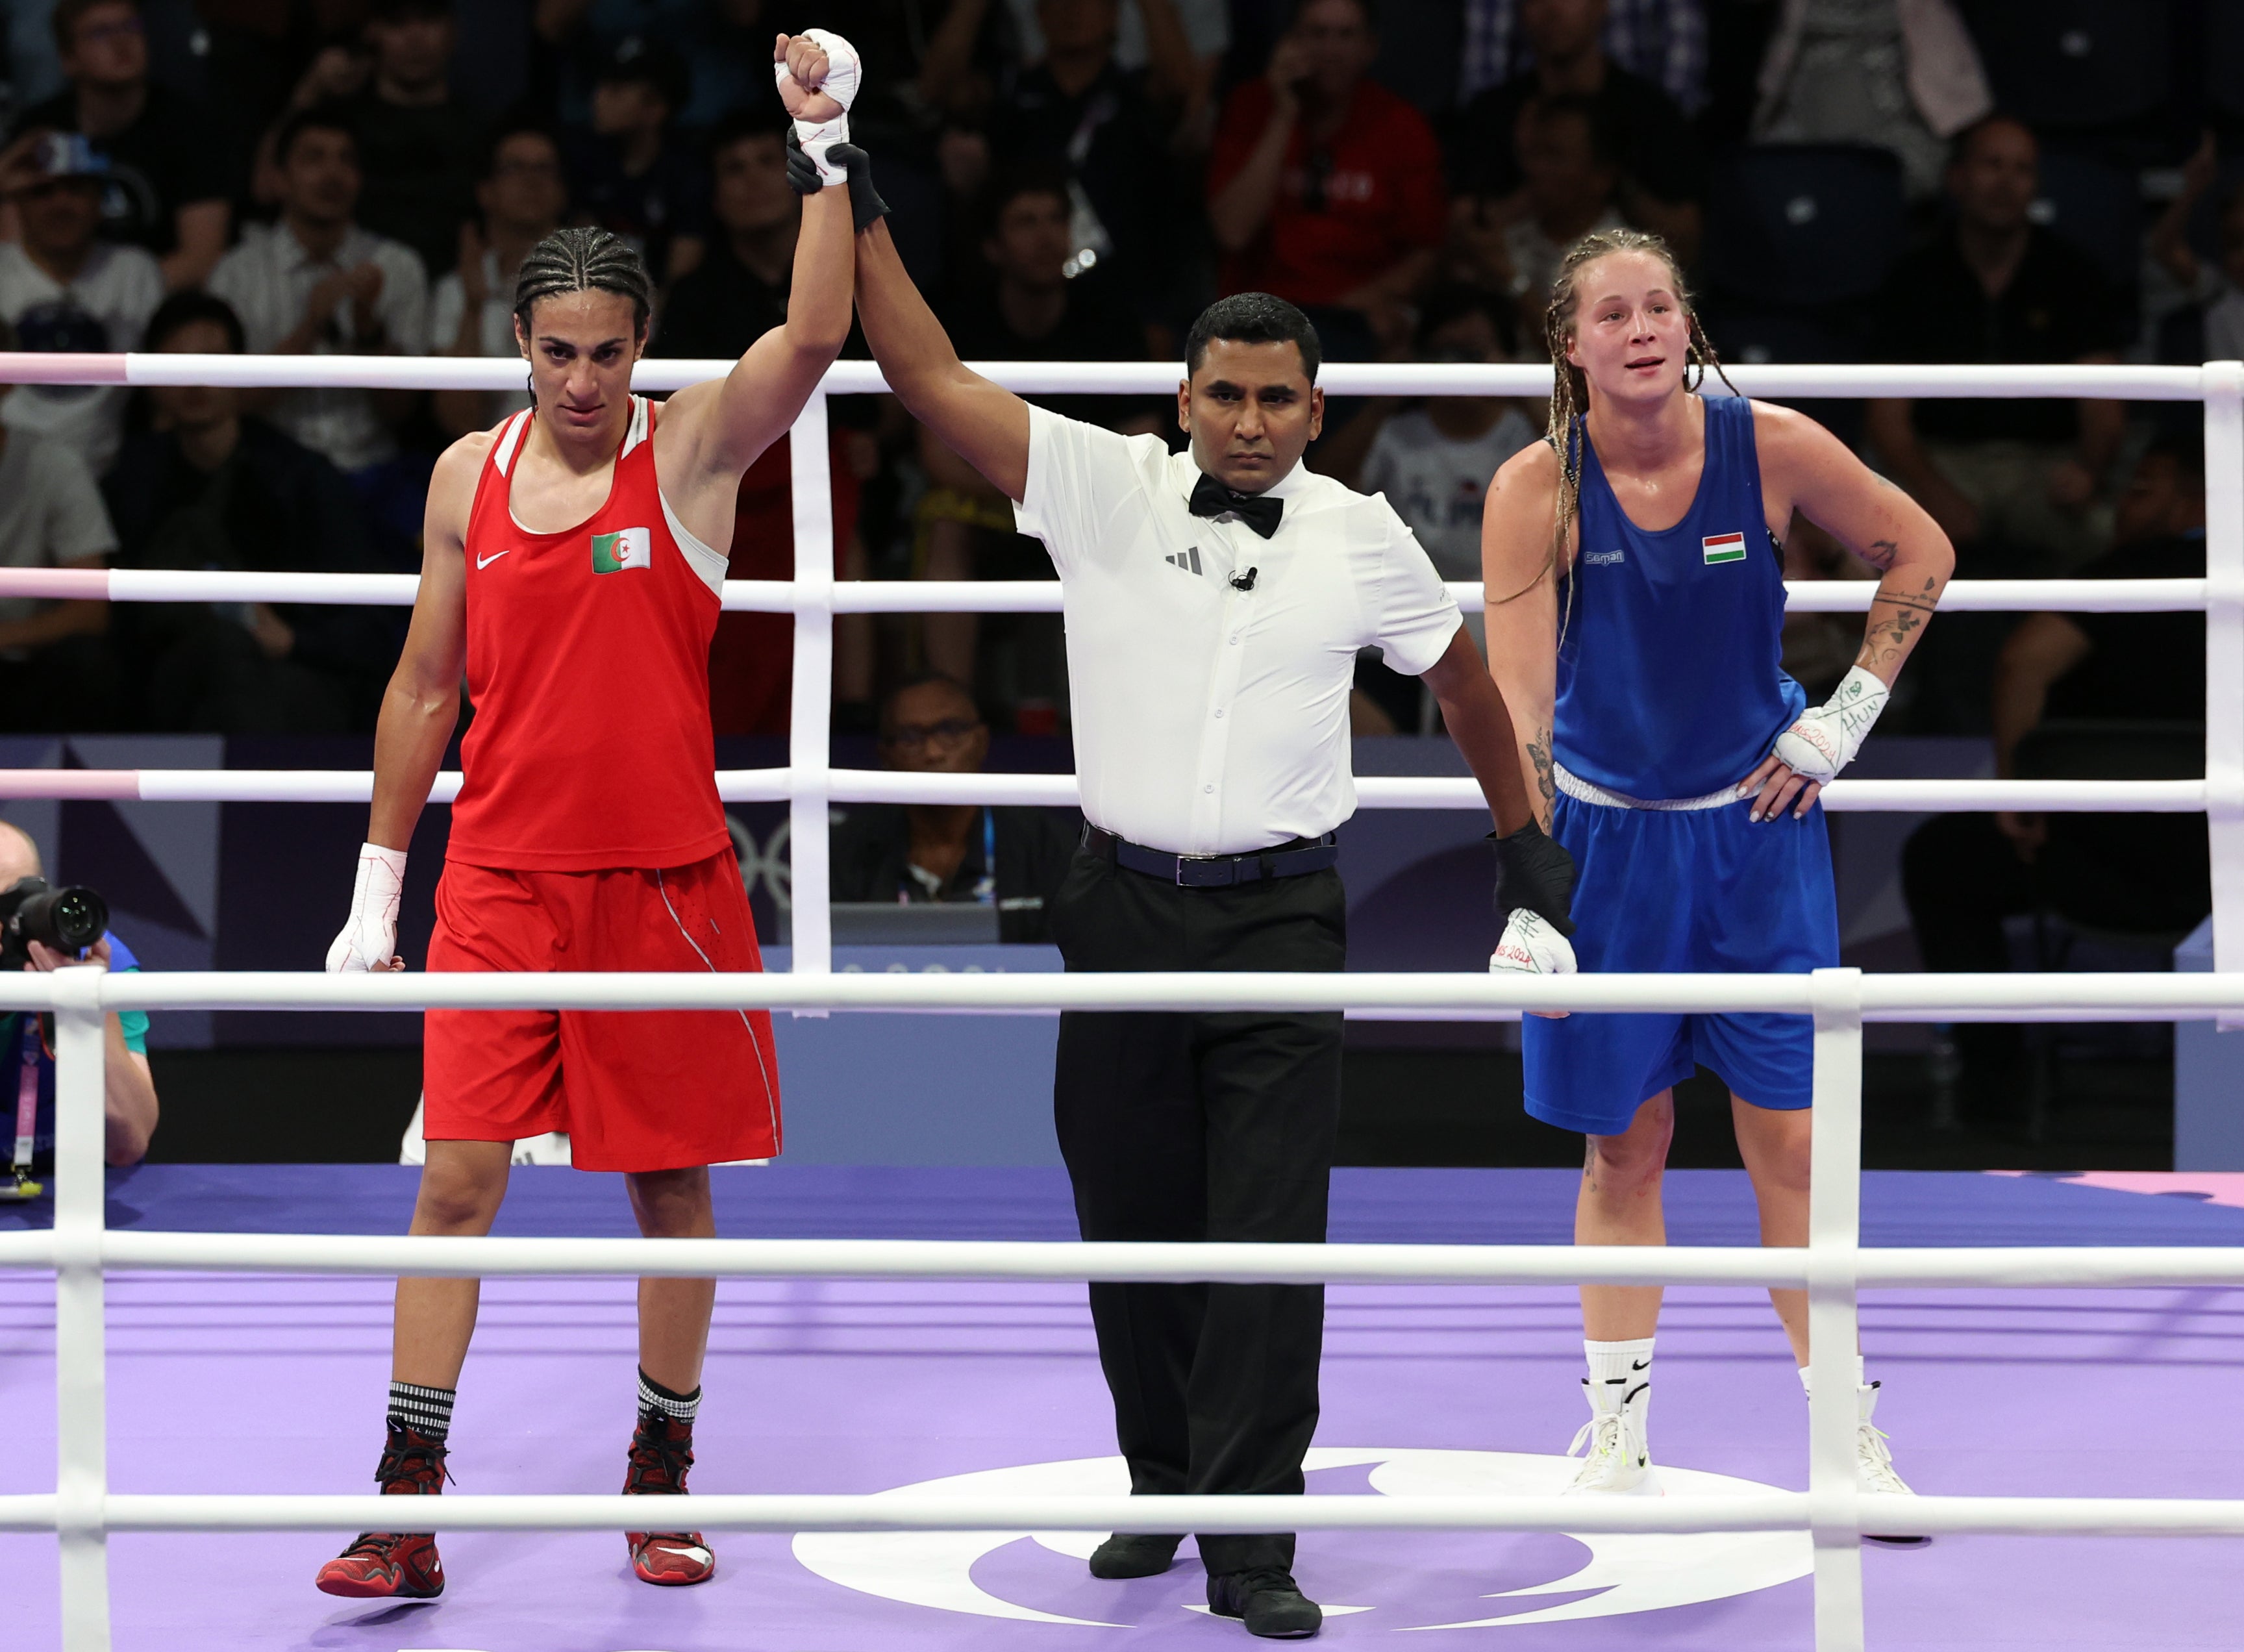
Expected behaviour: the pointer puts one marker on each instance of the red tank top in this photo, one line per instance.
(588, 665)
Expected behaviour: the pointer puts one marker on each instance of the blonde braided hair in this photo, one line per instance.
(1569, 388)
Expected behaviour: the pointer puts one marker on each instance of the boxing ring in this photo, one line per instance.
(81, 1249)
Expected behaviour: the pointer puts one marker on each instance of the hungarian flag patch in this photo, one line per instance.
(634, 548)
(1724, 547)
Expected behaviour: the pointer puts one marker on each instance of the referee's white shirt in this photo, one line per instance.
(1208, 720)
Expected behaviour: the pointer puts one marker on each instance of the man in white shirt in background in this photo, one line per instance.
(522, 197)
(1433, 462)
(316, 283)
(63, 287)
(1216, 601)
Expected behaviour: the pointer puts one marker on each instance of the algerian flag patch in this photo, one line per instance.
(634, 548)
(1720, 547)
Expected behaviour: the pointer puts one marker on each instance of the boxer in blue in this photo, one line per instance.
(1635, 600)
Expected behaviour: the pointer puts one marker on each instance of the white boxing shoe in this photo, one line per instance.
(1874, 1464)
(1619, 1457)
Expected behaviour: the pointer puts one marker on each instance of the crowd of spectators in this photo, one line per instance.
(1947, 180)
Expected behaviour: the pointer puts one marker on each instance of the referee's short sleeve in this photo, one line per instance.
(1416, 616)
(1079, 476)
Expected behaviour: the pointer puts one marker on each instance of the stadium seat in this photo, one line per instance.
(1804, 225)
(2099, 209)
(2075, 66)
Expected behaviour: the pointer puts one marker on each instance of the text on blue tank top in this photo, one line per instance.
(1670, 684)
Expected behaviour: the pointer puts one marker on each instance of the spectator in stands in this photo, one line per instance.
(629, 172)
(1963, 873)
(1661, 174)
(1662, 41)
(129, 1107)
(729, 42)
(168, 190)
(63, 288)
(1902, 76)
(317, 282)
(2000, 476)
(2217, 287)
(419, 141)
(520, 201)
(212, 486)
(1080, 108)
(57, 671)
(1434, 462)
(1325, 188)
(738, 292)
(1570, 184)
(1179, 45)
(1032, 312)
(1014, 859)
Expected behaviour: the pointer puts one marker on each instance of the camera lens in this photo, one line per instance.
(79, 918)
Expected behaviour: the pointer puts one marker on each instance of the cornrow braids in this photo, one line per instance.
(1566, 431)
(578, 260)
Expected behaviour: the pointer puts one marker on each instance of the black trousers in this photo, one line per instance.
(1217, 1128)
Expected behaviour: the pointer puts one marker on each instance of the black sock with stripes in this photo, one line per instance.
(658, 1404)
(427, 1412)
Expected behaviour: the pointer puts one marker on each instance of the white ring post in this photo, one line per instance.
(81, 1349)
(1834, 1203)
(2224, 659)
(810, 719)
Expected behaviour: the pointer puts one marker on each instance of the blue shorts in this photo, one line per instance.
(1702, 891)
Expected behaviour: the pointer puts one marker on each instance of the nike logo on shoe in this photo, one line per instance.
(484, 562)
(691, 1552)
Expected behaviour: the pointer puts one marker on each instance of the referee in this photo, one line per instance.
(1216, 601)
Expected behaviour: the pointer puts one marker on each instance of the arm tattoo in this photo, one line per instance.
(1538, 753)
(1895, 617)
(1881, 553)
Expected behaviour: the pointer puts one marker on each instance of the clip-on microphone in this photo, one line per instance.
(1244, 581)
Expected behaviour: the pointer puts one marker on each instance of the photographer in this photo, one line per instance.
(129, 1097)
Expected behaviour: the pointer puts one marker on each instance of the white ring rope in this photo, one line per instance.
(1032, 596)
(1833, 1266)
(2116, 382)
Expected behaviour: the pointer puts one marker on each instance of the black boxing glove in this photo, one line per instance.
(801, 171)
(866, 206)
(1535, 874)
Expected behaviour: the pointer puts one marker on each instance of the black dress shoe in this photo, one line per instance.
(1270, 1601)
(1127, 1555)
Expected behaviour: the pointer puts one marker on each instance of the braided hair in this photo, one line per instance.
(578, 260)
(1569, 386)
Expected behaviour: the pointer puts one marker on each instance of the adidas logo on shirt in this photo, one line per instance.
(1188, 559)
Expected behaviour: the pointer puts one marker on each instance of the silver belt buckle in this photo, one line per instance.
(1183, 861)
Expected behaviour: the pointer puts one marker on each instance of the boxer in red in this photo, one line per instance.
(567, 568)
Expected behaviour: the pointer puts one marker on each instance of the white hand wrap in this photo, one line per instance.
(370, 939)
(1825, 740)
(1531, 946)
(843, 74)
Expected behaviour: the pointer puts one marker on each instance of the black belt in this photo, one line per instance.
(1293, 859)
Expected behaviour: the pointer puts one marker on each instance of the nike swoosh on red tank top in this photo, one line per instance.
(588, 666)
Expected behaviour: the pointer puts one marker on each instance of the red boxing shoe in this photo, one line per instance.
(661, 1452)
(394, 1565)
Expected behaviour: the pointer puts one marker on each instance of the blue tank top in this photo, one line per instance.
(1669, 679)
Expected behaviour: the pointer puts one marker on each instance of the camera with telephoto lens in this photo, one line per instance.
(69, 919)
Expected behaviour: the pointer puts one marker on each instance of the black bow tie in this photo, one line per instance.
(1258, 510)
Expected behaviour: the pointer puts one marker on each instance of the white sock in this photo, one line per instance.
(1862, 1376)
(1618, 1369)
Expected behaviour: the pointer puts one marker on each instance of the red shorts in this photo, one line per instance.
(636, 1089)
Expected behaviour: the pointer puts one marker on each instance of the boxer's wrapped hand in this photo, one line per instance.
(1535, 898)
(818, 74)
(369, 940)
(1824, 741)
(1535, 875)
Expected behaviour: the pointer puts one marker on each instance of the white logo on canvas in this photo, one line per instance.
(1633, 1573)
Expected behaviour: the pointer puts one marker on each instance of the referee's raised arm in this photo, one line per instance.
(983, 423)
